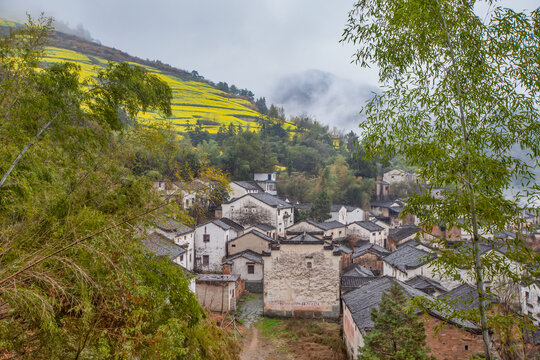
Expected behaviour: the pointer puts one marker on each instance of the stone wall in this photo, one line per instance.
(254, 286)
(302, 280)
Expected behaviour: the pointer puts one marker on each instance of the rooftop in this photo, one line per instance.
(161, 246)
(369, 225)
(425, 284)
(361, 300)
(248, 254)
(249, 185)
(408, 257)
(367, 247)
(302, 239)
(217, 277)
(403, 232)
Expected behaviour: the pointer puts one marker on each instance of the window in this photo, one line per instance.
(269, 176)
(466, 347)
(527, 295)
(233, 245)
(309, 265)
(538, 300)
(181, 257)
(251, 269)
(278, 211)
(206, 237)
(373, 234)
(205, 260)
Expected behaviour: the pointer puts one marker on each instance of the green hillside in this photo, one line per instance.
(193, 100)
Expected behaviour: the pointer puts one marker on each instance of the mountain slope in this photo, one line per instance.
(194, 100)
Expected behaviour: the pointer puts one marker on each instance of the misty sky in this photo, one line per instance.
(262, 45)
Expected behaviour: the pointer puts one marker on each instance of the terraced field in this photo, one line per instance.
(192, 100)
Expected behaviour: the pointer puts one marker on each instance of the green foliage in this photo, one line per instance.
(461, 106)
(321, 206)
(75, 281)
(397, 334)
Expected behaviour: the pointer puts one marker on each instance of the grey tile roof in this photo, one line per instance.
(349, 283)
(183, 229)
(271, 200)
(161, 246)
(425, 284)
(367, 247)
(259, 234)
(248, 254)
(356, 270)
(248, 185)
(329, 225)
(217, 278)
(167, 224)
(302, 239)
(225, 224)
(402, 232)
(369, 225)
(342, 249)
(407, 257)
(232, 224)
(361, 300)
(264, 227)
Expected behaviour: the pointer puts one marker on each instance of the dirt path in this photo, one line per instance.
(251, 351)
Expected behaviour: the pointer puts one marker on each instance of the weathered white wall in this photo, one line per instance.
(293, 289)
(351, 334)
(240, 267)
(215, 248)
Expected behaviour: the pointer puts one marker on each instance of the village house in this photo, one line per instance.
(530, 301)
(302, 279)
(407, 262)
(218, 292)
(382, 189)
(369, 255)
(181, 235)
(346, 214)
(260, 208)
(252, 240)
(241, 188)
(267, 182)
(355, 276)
(455, 340)
(266, 229)
(398, 236)
(367, 230)
(211, 240)
(398, 175)
(250, 266)
(327, 229)
(391, 213)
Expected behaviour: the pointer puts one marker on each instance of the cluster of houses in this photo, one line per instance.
(337, 269)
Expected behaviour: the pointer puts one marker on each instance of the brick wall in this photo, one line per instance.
(452, 342)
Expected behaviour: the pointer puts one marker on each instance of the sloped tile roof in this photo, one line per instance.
(402, 232)
(161, 246)
(407, 257)
(248, 254)
(369, 225)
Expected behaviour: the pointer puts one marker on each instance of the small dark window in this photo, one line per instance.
(466, 347)
(233, 245)
(309, 265)
(181, 257)
(206, 237)
(251, 269)
(527, 295)
(278, 211)
(205, 259)
(373, 234)
(538, 300)
(269, 176)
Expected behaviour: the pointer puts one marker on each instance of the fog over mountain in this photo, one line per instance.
(328, 98)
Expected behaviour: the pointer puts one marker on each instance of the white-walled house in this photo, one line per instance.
(530, 301)
(259, 208)
(181, 235)
(398, 175)
(267, 181)
(241, 188)
(368, 230)
(211, 241)
(407, 262)
(250, 266)
(346, 214)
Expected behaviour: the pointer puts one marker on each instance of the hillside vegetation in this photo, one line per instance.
(194, 100)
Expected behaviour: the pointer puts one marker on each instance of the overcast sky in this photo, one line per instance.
(262, 45)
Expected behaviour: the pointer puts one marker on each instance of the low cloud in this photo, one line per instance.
(328, 98)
